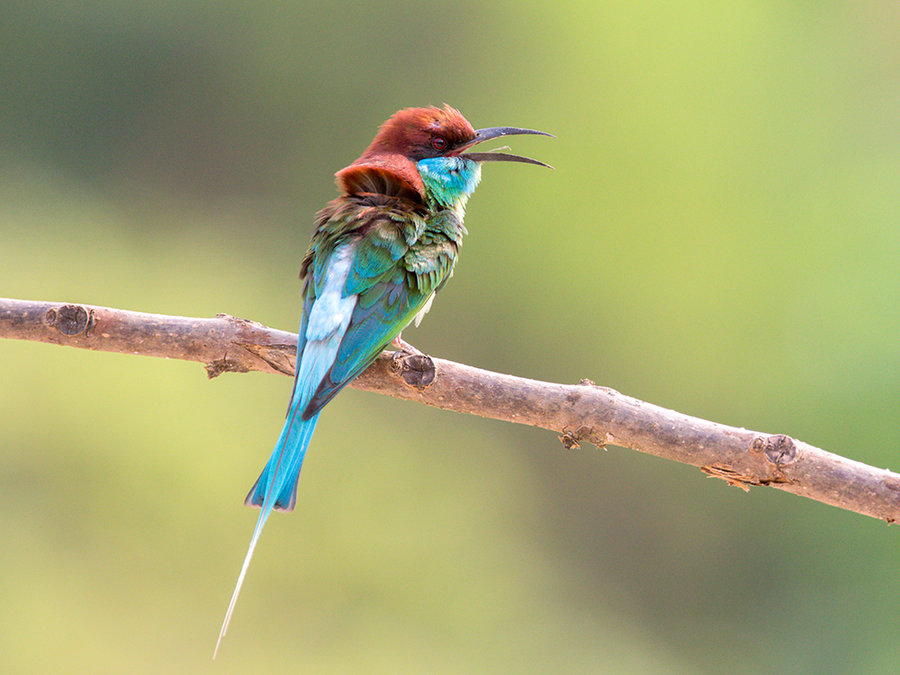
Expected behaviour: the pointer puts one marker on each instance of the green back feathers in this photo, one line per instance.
(401, 256)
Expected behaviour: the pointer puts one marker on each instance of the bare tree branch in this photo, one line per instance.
(582, 412)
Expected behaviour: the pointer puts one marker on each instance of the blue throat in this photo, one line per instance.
(449, 181)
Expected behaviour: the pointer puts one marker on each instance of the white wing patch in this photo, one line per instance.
(422, 312)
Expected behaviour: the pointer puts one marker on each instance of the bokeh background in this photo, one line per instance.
(720, 236)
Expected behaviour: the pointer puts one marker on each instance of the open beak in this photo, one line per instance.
(495, 132)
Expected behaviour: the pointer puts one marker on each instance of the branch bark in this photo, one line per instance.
(582, 412)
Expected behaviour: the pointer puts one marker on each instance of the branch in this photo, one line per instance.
(582, 412)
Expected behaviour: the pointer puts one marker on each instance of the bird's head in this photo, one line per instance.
(421, 153)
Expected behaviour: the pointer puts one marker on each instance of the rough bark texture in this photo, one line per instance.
(582, 412)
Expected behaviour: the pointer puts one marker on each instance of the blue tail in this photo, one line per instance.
(279, 477)
(276, 487)
(326, 318)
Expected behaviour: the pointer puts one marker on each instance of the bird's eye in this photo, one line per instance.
(438, 143)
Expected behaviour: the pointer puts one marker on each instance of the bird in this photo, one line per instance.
(379, 253)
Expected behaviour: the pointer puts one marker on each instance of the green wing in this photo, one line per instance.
(398, 263)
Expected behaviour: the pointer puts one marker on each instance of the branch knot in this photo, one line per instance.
(70, 319)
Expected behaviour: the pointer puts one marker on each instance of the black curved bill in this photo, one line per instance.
(495, 132)
(501, 157)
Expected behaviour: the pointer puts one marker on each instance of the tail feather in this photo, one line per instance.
(283, 468)
(275, 489)
(326, 317)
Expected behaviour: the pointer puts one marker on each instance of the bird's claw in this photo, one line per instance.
(399, 344)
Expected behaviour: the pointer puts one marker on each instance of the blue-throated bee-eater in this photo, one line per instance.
(379, 253)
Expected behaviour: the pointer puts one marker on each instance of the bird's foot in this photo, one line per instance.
(415, 367)
(401, 345)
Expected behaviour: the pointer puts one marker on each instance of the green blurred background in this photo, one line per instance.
(720, 236)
